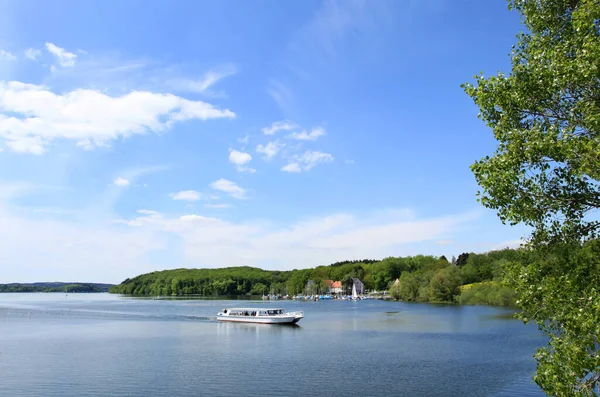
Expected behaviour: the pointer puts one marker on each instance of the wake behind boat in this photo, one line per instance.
(260, 316)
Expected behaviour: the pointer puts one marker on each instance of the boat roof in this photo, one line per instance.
(253, 308)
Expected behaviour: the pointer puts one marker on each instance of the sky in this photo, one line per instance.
(145, 135)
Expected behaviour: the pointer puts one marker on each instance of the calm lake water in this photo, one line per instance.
(101, 344)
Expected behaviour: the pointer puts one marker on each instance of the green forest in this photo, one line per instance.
(49, 288)
(470, 279)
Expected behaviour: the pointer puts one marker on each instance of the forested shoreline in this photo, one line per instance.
(54, 287)
(469, 279)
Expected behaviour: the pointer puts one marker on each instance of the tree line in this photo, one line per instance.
(421, 278)
(46, 288)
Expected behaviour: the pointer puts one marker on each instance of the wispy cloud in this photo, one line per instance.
(63, 57)
(269, 150)
(226, 186)
(217, 206)
(121, 182)
(277, 126)
(307, 161)
(202, 84)
(206, 241)
(281, 94)
(292, 167)
(308, 136)
(32, 53)
(148, 212)
(7, 56)
(336, 23)
(338, 29)
(187, 195)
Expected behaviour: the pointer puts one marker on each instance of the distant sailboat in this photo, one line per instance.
(354, 294)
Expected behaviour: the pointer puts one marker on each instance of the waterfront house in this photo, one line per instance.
(334, 287)
(360, 287)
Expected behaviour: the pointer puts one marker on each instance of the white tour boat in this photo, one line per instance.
(260, 316)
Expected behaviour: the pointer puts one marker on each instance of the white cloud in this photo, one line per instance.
(239, 158)
(312, 158)
(26, 144)
(281, 94)
(277, 126)
(187, 195)
(197, 218)
(244, 140)
(32, 53)
(121, 182)
(292, 167)
(201, 85)
(220, 205)
(270, 150)
(229, 187)
(64, 57)
(149, 212)
(31, 116)
(307, 161)
(308, 136)
(307, 242)
(444, 242)
(99, 249)
(7, 56)
(506, 244)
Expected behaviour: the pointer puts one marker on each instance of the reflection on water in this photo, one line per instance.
(228, 328)
(100, 344)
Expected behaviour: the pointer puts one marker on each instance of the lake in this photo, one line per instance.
(102, 344)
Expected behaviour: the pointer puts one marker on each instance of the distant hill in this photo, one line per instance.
(55, 287)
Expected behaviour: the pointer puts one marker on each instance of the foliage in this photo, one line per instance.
(560, 292)
(462, 259)
(545, 173)
(41, 287)
(444, 285)
(408, 289)
(487, 293)
(415, 276)
(546, 118)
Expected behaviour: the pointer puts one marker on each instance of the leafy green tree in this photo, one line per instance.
(545, 173)
(545, 116)
(409, 287)
(258, 289)
(394, 291)
(444, 286)
(462, 259)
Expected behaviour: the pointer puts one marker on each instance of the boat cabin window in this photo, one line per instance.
(241, 312)
(253, 313)
(274, 312)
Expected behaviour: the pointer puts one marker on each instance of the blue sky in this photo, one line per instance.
(143, 135)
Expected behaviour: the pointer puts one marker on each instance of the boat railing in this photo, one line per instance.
(296, 313)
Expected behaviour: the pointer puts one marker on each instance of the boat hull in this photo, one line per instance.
(259, 320)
